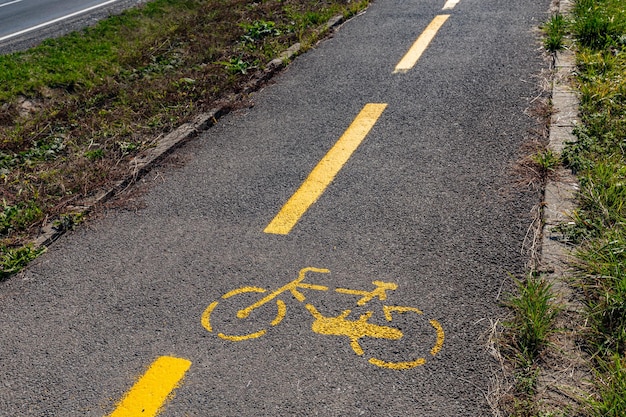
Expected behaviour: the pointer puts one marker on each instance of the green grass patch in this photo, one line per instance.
(526, 337)
(13, 260)
(598, 227)
(546, 162)
(599, 23)
(555, 31)
(534, 314)
(611, 377)
(18, 217)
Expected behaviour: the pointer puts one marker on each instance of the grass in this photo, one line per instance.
(535, 312)
(555, 31)
(598, 227)
(75, 110)
(15, 259)
(599, 23)
(611, 384)
(546, 162)
(528, 334)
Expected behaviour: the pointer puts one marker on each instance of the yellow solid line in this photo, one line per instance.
(420, 45)
(147, 396)
(325, 171)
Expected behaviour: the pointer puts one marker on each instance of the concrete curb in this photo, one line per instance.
(560, 192)
(559, 198)
(559, 386)
(144, 162)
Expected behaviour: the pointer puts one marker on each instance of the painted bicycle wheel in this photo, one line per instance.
(232, 313)
(420, 338)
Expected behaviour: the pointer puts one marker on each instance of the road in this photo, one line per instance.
(24, 23)
(341, 248)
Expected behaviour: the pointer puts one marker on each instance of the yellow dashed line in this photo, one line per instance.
(147, 396)
(420, 45)
(325, 171)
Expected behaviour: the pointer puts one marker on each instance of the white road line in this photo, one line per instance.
(9, 3)
(51, 22)
(450, 4)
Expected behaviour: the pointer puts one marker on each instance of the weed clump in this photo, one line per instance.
(555, 30)
(15, 259)
(527, 336)
(535, 312)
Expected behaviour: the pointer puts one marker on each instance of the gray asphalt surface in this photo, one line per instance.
(428, 201)
(25, 14)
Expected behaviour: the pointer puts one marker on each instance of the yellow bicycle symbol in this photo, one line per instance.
(340, 325)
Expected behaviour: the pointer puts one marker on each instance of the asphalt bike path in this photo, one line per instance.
(338, 249)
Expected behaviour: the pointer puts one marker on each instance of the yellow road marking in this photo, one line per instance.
(420, 45)
(147, 396)
(206, 316)
(242, 338)
(380, 292)
(325, 171)
(450, 4)
(388, 309)
(282, 310)
(440, 337)
(340, 325)
(399, 366)
(353, 329)
(242, 290)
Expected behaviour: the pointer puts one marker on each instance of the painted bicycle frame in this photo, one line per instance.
(340, 325)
